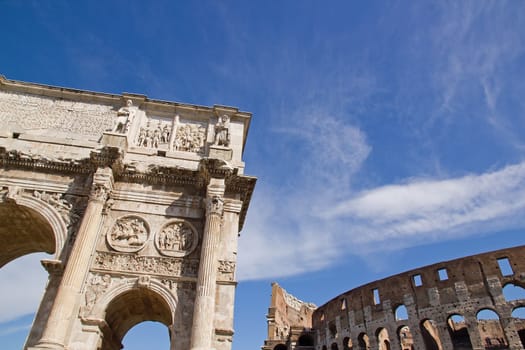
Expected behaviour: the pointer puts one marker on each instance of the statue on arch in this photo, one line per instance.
(125, 116)
(222, 131)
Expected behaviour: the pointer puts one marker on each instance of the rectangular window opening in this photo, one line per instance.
(16, 135)
(443, 275)
(504, 266)
(377, 300)
(161, 153)
(418, 282)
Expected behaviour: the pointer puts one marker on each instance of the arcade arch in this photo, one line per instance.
(458, 331)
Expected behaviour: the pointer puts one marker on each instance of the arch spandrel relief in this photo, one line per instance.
(177, 238)
(128, 234)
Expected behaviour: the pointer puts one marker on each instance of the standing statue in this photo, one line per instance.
(124, 117)
(222, 131)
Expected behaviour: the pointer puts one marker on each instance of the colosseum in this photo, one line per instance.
(476, 302)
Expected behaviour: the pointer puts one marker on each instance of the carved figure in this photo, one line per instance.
(124, 117)
(129, 234)
(96, 288)
(222, 131)
(176, 239)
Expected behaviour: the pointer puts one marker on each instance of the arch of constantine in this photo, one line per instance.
(476, 302)
(139, 201)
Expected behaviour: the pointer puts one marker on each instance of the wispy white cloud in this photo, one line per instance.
(14, 329)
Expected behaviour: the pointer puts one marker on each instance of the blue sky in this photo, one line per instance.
(386, 135)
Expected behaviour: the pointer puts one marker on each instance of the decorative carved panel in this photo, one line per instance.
(177, 238)
(128, 234)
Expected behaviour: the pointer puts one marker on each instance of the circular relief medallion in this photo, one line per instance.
(177, 238)
(128, 234)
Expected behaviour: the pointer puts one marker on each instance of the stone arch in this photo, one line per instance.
(513, 292)
(401, 312)
(383, 339)
(334, 346)
(39, 227)
(113, 292)
(458, 331)
(347, 343)
(430, 334)
(280, 347)
(490, 330)
(518, 315)
(305, 340)
(363, 341)
(406, 339)
(139, 300)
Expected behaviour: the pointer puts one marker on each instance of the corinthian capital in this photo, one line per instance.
(214, 205)
(99, 192)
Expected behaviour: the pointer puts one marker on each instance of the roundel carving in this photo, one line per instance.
(177, 238)
(128, 234)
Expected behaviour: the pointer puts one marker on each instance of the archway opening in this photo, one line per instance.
(33, 232)
(490, 330)
(142, 336)
(458, 331)
(401, 313)
(280, 347)
(513, 292)
(519, 322)
(334, 346)
(383, 340)
(406, 340)
(347, 343)
(430, 334)
(363, 341)
(305, 340)
(131, 308)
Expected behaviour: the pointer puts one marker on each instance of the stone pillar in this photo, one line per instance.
(204, 308)
(65, 307)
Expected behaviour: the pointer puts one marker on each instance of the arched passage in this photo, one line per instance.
(490, 330)
(458, 331)
(513, 292)
(305, 340)
(430, 334)
(406, 340)
(23, 231)
(518, 314)
(383, 340)
(131, 308)
(280, 347)
(363, 341)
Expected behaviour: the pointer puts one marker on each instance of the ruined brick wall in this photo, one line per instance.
(437, 307)
(289, 320)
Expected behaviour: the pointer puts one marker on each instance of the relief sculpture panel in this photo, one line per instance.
(128, 234)
(177, 238)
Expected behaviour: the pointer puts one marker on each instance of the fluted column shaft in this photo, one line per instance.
(64, 308)
(204, 307)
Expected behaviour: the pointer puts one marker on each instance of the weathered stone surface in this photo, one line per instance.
(114, 187)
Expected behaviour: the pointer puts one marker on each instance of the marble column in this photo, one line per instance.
(204, 307)
(65, 306)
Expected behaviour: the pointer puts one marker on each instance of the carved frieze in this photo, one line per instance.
(171, 134)
(177, 238)
(164, 266)
(128, 234)
(41, 113)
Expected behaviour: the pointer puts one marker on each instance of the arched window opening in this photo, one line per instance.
(519, 322)
(430, 334)
(363, 341)
(334, 346)
(347, 343)
(459, 336)
(401, 313)
(324, 347)
(513, 292)
(283, 347)
(333, 329)
(23, 282)
(131, 308)
(382, 339)
(490, 330)
(406, 340)
(139, 337)
(305, 340)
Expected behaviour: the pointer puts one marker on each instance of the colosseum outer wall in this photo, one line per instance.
(433, 307)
